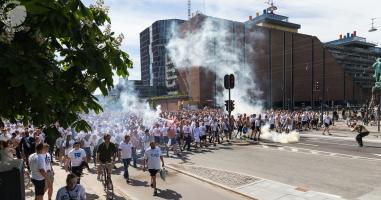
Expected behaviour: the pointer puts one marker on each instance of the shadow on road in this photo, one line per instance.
(377, 147)
(168, 194)
(91, 196)
(135, 182)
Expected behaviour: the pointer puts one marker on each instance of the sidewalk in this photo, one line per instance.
(249, 186)
(94, 189)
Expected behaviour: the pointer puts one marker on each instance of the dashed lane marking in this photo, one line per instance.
(314, 145)
(317, 152)
(294, 150)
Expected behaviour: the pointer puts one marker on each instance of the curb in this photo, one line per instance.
(210, 182)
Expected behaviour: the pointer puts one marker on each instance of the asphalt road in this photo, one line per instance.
(324, 165)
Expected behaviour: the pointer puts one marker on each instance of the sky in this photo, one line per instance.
(325, 19)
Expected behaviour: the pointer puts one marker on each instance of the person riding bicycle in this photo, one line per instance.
(106, 155)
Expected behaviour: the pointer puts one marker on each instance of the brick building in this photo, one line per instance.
(291, 68)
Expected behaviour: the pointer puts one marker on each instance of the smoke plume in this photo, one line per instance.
(215, 47)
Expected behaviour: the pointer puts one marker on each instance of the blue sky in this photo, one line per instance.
(325, 19)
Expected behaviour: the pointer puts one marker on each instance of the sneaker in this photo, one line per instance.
(155, 193)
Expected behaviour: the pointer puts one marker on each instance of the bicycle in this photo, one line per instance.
(106, 181)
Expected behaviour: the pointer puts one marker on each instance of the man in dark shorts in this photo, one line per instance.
(152, 157)
(38, 172)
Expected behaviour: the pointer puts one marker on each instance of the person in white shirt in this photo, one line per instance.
(86, 142)
(72, 190)
(327, 122)
(59, 149)
(76, 157)
(203, 135)
(49, 170)
(152, 157)
(125, 152)
(187, 136)
(197, 134)
(38, 171)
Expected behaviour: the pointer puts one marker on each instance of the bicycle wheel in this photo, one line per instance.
(104, 179)
(110, 189)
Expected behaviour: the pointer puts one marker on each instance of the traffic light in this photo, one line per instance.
(229, 81)
(231, 105)
(226, 82)
(227, 105)
(317, 86)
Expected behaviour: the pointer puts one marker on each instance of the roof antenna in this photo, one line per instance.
(372, 29)
(272, 8)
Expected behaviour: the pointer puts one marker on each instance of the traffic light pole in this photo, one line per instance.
(230, 121)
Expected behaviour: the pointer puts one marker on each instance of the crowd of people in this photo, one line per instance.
(127, 138)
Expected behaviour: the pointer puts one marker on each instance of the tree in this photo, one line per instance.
(50, 69)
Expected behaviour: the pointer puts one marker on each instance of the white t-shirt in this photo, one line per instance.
(153, 156)
(68, 148)
(126, 149)
(86, 143)
(37, 162)
(78, 193)
(197, 133)
(48, 160)
(156, 132)
(203, 130)
(164, 130)
(76, 157)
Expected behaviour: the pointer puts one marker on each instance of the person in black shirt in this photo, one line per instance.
(106, 154)
(362, 133)
(28, 146)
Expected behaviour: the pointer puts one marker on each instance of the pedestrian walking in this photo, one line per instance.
(38, 171)
(327, 123)
(49, 170)
(125, 152)
(152, 158)
(75, 158)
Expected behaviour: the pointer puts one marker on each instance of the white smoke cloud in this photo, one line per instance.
(214, 47)
(283, 138)
(134, 105)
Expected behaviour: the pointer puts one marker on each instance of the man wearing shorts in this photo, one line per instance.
(76, 156)
(38, 173)
(49, 170)
(152, 157)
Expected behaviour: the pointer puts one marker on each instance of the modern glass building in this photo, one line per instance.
(153, 56)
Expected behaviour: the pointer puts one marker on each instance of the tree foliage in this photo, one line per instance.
(50, 70)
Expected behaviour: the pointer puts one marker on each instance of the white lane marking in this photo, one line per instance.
(314, 145)
(281, 148)
(323, 153)
(336, 143)
(377, 154)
